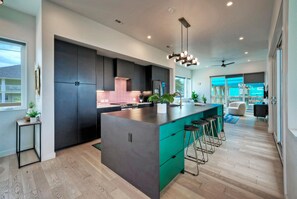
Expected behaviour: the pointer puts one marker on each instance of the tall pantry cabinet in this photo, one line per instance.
(75, 94)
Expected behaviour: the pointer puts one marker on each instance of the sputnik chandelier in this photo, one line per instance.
(184, 57)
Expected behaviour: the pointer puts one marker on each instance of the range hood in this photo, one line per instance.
(123, 69)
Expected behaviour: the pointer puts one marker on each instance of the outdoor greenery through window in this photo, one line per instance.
(183, 86)
(12, 65)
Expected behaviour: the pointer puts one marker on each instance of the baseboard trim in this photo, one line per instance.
(48, 156)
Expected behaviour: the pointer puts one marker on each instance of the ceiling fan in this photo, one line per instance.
(225, 64)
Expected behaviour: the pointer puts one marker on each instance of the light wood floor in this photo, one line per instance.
(245, 166)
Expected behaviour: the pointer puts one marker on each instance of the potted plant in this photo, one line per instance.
(162, 101)
(204, 99)
(33, 115)
(195, 96)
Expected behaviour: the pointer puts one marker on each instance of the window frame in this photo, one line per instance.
(24, 75)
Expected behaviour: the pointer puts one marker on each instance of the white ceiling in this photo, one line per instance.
(213, 35)
(27, 6)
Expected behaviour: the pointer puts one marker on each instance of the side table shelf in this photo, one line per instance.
(22, 123)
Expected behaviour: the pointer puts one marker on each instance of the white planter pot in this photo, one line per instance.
(33, 119)
(161, 108)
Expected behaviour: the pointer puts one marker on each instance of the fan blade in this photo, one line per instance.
(215, 65)
(230, 63)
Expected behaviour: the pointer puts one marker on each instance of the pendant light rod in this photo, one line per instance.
(187, 39)
(182, 37)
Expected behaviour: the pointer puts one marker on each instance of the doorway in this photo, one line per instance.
(276, 99)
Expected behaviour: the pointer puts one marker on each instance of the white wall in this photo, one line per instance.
(291, 139)
(183, 72)
(21, 27)
(201, 77)
(68, 24)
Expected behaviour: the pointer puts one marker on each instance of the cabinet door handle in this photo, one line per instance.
(174, 156)
(173, 134)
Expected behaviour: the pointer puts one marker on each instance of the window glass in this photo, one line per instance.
(11, 77)
(183, 86)
(218, 90)
(180, 85)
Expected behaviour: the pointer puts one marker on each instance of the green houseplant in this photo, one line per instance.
(162, 101)
(204, 99)
(195, 96)
(32, 112)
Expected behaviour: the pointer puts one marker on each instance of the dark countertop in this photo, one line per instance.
(150, 115)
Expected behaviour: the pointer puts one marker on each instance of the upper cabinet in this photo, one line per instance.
(99, 72)
(74, 63)
(137, 82)
(65, 62)
(124, 68)
(86, 65)
(108, 74)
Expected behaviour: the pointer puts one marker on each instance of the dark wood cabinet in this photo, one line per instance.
(108, 74)
(75, 94)
(86, 114)
(104, 110)
(155, 73)
(137, 82)
(65, 62)
(65, 115)
(99, 73)
(124, 68)
(86, 63)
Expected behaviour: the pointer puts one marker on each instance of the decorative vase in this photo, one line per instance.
(161, 108)
(33, 119)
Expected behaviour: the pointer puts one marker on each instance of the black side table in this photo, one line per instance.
(19, 125)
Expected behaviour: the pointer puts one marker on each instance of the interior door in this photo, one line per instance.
(275, 99)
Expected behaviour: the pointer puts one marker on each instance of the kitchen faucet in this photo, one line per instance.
(180, 98)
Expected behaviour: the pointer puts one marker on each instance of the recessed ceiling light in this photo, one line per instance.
(249, 60)
(246, 52)
(229, 3)
(241, 38)
(149, 37)
(171, 10)
(116, 20)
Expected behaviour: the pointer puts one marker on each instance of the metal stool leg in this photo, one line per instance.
(197, 148)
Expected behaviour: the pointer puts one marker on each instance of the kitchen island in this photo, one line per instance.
(147, 148)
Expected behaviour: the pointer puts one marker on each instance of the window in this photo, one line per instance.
(12, 74)
(248, 88)
(183, 86)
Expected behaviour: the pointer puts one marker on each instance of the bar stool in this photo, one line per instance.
(213, 129)
(204, 125)
(193, 130)
(220, 130)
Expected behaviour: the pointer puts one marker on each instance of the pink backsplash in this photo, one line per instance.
(119, 95)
